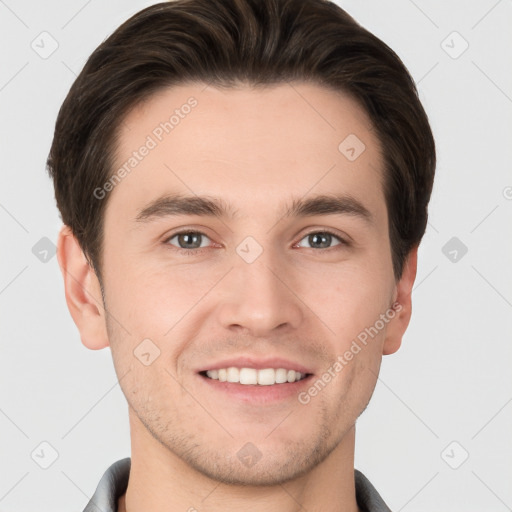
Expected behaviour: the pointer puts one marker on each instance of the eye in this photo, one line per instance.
(322, 240)
(188, 240)
(193, 242)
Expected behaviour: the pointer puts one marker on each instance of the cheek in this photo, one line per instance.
(158, 299)
(355, 299)
(149, 300)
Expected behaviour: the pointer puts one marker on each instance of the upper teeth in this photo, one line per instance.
(264, 377)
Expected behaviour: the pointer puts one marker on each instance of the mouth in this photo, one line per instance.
(255, 387)
(255, 377)
(255, 381)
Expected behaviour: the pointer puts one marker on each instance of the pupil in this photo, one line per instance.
(320, 238)
(188, 238)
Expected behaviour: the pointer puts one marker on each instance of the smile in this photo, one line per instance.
(253, 376)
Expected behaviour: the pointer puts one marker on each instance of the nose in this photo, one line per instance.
(260, 297)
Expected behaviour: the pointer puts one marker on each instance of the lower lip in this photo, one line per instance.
(254, 393)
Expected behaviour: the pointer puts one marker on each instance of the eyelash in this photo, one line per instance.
(193, 252)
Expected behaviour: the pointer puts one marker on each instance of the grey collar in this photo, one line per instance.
(114, 482)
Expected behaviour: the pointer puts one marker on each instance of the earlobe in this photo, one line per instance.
(402, 305)
(82, 290)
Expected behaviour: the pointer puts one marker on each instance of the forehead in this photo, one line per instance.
(249, 145)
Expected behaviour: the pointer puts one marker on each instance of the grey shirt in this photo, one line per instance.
(115, 480)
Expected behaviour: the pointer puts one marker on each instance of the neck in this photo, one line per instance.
(161, 482)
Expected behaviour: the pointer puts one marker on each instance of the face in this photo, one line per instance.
(279, 260)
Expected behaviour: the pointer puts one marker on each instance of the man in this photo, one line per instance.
(243, 186)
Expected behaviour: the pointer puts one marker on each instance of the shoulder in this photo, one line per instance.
(112, 485)
(368, 499)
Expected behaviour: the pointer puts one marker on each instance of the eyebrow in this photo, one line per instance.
(169, 205)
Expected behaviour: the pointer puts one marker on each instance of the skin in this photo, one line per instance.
(257, 149)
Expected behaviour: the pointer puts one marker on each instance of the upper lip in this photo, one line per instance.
(257, 363)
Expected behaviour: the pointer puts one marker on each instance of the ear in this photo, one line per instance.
(402, 305)
(83, 291)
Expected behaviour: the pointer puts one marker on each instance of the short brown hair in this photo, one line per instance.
(223, 42)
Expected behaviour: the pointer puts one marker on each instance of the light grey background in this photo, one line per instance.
(450, 381)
